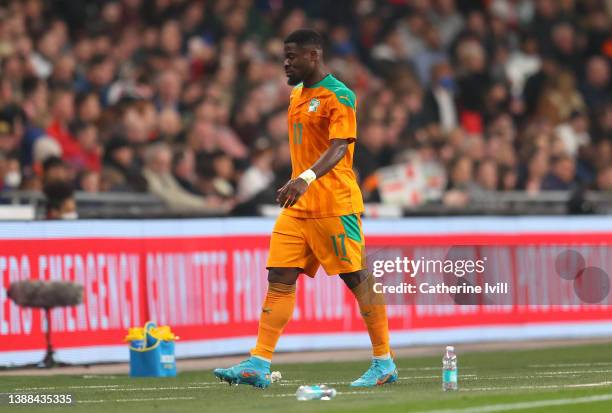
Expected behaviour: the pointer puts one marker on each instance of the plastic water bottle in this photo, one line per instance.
(449, 369)
(320, 392)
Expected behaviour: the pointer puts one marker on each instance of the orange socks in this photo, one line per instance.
(275, 314)
(278, 308)
(374, 313)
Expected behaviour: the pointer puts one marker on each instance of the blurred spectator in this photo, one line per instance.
(431, 54)
(537, 169)
(604, 179)
(157, 172)
(536, 83)
(87, 155)
(183, 167)
(121, 168)
(89, 181)
(440, 98)
(508, 178)
(447, 19)
(88, 107)
(12, 123)
(170, 126)
(565, 47)
(60, 200)
(62, 112)
(574, 133)
(45, 147)
(391, 54)
(12, 173)
(371, 151)
(411, 30)
(461, 174)
(562, 176)
(473, 83)
(223, 181)
(547, 13)
(169, 87)
(522, 63)
(560, 99)
(487, 175)
(492, 91)
(596, 87)
(55, 170)
(259, 175)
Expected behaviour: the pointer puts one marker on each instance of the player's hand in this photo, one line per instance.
(291, 192)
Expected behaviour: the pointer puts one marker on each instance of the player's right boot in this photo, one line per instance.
(253, 371)
(380, 372)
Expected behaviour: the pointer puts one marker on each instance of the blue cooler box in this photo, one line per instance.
(156, 359)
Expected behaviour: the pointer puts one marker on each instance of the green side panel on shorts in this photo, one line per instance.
(351, 227)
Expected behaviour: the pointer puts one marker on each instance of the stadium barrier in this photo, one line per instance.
(206, 278)
(121, 205)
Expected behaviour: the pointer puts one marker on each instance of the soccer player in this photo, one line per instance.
(320, 222)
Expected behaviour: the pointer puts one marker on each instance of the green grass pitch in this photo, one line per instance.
(560, 380)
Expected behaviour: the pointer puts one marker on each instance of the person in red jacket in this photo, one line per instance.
(62, 111)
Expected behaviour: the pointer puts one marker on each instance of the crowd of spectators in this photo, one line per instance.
(186, 99)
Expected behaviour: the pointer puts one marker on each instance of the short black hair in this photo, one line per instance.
(29, 84)
(82, 97)
(79, 126)
(305, 37)
(52, 162)
(57, 192)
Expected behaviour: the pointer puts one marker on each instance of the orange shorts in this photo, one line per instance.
(337, 243)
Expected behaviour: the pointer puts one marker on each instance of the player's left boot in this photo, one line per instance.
(253, 371)
(380, 372)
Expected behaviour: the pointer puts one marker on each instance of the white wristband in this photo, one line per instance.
(308, 175)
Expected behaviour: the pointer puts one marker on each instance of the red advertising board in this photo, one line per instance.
(210, 287)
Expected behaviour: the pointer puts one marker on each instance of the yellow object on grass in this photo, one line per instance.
(134, 333)
(160, 333)
(163, 333)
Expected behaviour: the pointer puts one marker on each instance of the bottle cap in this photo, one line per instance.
(450, 348)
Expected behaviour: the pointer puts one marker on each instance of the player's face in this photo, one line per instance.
(299, 63)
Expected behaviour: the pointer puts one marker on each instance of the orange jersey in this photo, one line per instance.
(317, 114)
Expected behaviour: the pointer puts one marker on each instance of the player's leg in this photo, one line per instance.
(338, 243)
(289, 256)
(372, 307)
(276, 310)
(275, 314)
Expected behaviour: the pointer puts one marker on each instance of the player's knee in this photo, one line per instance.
(353, 279)
(287, 276)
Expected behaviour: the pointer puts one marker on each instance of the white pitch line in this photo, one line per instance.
(152, 399)
(225, 383)
(599, 363)
(158, 388)
(465, 376)
(470, 376)
(94, 376)
(540, 375)
(517, 377)
(524, 405)
(117, 388)
(69, 387)
(548, 386)
(427, 368)
(343, 393)
(155, 399)
(558, 373)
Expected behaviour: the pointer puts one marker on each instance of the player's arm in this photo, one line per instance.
(291, 192)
